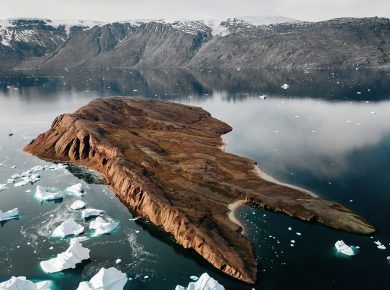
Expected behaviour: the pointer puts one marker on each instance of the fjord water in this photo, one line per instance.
(329, 132)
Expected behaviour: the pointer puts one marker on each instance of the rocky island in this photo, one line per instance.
(166, 162)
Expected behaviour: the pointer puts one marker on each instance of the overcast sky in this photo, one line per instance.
(109, 10)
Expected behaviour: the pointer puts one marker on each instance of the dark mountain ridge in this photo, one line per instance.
(233, 43)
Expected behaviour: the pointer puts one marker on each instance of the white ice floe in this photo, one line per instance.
(343, 248)
(102, 227)
(379, 245)
(107, 279)
(36, 169)
(205, 282)
(15, 176)
(57, 166)
(68, 228)
(3, 187)
(21, 283)
(117, 261)
(194, 278)
(10, 181)
(78, 204)
(75, 254)
(26, 179)
(91, 212)
(9, 215)
(44, 193)
(76, 189)
(285, 86)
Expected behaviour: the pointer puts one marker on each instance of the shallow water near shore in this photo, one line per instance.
(329, 133)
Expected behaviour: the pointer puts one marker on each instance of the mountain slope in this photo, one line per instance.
(234, 43)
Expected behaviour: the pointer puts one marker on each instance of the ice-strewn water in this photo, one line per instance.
(328, 133)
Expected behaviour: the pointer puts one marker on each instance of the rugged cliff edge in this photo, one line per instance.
(165, 162)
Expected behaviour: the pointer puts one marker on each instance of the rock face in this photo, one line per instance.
(165, 162)
(232, 43)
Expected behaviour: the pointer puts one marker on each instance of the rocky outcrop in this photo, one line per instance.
(165, 162)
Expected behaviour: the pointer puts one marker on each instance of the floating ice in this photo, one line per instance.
(23, 182)
(379, 245)
(91, 212)
(194, 278)
(76, 189)
(75, 254)
(117, 261)
(45, 193)
(205, 282)
(21, 283)
(102, 227)
(15, 176)
(107, 279)
(57, 166)
(263, 97)
(36, 168)
(285, 86)
(10, 181)
(68, 228)
(9, 215)
(78, 204)
(299, 234)
(3, 187)
(343, 248)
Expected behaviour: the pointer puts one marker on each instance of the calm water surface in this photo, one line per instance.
(329, 132)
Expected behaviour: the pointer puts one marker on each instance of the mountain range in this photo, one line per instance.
(275, 42)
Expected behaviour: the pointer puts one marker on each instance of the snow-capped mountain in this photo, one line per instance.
(256, 42)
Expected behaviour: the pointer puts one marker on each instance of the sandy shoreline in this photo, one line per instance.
(232, 214)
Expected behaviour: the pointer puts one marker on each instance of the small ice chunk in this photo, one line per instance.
(299, 234)
(45, 193)
(21, 283)
(3, 187)
(9, 215)
(343, 248)
(293, 241)
(76, 189)
(263, 97)
(205, 282)
(380, 246)
(117, 261)
(194, 278)
(23, 182)
(10, 181)
(36, 168)
(15, 176)
(75, 254)
(91, 212)
(68, 228)
(285, 86)
(57, 166)
(78, 204)
(102, 227)
(107, 279)
(290, 228)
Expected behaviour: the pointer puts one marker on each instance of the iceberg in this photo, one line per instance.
(68, 228)
(205, 282)
(91, 212)
(343, 248)
(76, 189)
(21, 283)
(107, 279)
(9, 215)
(3, 187)
(78, 204)
(45, 193)
(102, 227)
(75, 254)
